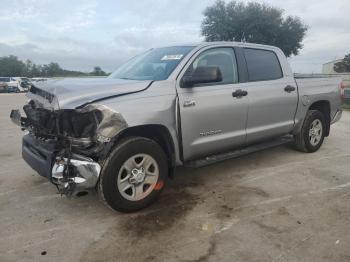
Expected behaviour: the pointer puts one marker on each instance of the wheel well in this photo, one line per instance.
(324, 107)
(159, 134)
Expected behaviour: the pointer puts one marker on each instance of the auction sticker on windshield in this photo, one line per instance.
(172, 57)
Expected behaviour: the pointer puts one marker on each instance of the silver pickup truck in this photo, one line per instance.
(189, 105)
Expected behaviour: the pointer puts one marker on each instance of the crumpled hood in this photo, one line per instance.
(70, 93)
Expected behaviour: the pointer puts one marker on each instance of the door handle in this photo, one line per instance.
(239, 93)
(289, 88)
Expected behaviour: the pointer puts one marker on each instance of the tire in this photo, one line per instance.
(307, 140)
(128, 180)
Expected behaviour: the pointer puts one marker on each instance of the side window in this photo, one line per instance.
(262, 64)
(224, 58)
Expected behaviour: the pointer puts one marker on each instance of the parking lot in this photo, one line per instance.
(274, 205)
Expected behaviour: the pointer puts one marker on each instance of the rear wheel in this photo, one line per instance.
(311, 135)
(133, 175)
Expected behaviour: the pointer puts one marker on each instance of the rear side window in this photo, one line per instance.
(262, 64)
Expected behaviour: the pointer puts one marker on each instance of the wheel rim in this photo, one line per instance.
(315, 132)
(137, 177)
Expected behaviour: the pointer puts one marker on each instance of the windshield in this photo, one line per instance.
(155, 64)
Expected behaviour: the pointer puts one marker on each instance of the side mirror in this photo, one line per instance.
(202, 75)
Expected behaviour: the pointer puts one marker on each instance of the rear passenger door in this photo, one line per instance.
(272, 96)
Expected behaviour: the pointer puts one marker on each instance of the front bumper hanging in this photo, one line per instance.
(66, 145)
(73, 176)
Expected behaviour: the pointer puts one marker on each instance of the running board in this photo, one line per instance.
(239, 152)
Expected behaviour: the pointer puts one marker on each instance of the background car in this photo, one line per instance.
(3, 88)
(12, 89)
(10, 84)
(24, 83)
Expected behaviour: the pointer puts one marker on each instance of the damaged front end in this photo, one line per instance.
(68, 146)
(75, 175)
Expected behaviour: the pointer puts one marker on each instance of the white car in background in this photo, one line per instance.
(24, 83)
(12, 83)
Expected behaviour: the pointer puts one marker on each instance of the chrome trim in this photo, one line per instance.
(189, 103)
(210, 133)
(85, 177)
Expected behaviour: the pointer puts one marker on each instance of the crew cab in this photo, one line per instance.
(189, 105)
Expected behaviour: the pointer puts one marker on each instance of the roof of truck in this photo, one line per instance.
(204, 44)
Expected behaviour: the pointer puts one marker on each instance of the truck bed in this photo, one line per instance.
(313, 88)
(345, 79)
(317, 84)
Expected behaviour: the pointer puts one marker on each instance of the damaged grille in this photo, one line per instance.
(61, 123)
(92, 123)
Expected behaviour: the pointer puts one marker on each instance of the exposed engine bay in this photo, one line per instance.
(80, 140)
(81, 127)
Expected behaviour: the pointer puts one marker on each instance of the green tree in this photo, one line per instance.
(28, 68)
(255, 23)
(98, 72)
(35, 71)
(11, 66)
(52, 69)
(343, 66)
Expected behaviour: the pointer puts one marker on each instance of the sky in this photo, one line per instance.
(81, 34)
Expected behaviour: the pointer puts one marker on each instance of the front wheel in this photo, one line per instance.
(133, 175)
(311, 135)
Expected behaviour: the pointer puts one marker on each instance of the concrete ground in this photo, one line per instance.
(275, 205)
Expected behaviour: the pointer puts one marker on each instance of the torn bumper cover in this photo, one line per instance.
(84, 176)
(67, 146)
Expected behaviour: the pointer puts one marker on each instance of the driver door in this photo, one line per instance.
(212, 120)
